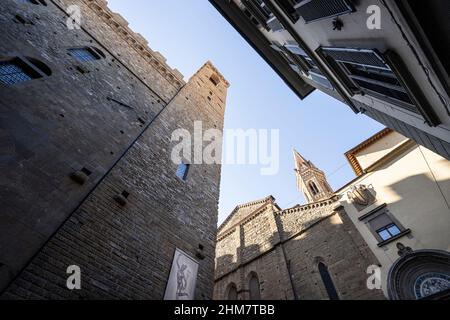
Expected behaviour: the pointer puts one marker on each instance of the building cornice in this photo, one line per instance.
(351, 154)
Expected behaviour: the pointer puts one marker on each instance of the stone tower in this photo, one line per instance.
(311, 181)
(87, 117)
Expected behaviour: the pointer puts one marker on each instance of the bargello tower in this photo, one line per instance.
(88, 186)
(311, 181)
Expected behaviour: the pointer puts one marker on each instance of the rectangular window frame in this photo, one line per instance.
(73, 54)
(376, 213)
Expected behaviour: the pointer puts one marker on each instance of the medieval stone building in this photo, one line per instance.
(310, 251)
(87, 113)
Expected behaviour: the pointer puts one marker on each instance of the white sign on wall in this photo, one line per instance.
(183, 277)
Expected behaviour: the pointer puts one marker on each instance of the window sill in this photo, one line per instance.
(400, 235)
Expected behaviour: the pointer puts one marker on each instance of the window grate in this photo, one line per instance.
(83, 54)
(11, 73)
(313, 10)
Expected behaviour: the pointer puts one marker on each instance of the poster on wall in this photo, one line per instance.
(183, 277)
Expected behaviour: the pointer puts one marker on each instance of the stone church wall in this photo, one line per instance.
(338, 245)
(284, 249)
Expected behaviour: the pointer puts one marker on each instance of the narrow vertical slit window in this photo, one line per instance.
(182, 171)
(328, 281)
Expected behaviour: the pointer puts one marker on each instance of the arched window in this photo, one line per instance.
(328, 282)
(313, 188)
(255, 292)
(231, 292)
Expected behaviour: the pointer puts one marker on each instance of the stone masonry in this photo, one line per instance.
(284, 247)
(112, 120)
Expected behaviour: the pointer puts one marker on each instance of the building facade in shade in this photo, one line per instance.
(87, 178)
(386, 59)
(399, 203)
(308, 252)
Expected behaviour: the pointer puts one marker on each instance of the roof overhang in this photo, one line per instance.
(231, 12)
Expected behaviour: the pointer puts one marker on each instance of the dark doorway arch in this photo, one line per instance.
(254, 287)
(327, 281)
(231, 292)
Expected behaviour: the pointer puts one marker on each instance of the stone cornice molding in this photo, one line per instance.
(310, 206)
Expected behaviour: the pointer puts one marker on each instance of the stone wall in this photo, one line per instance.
(283, 248)
(114, 118)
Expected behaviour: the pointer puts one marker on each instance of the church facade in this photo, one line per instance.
(307, 252)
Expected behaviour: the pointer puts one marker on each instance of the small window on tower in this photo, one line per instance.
(182, 171)
(86, 54)
(215, 80)
(313, 188)
(18, 70)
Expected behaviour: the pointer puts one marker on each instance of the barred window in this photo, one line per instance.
(86, 54)
(23, 69)
(11, 73)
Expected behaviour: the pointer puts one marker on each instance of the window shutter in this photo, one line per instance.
(257, 12)
(366, 57)
(274, 24)
(313, 10)
(380, 221)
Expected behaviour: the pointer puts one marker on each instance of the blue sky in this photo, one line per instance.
(188, 33)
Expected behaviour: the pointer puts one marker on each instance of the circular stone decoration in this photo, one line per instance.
(431, 283)
(419, 274)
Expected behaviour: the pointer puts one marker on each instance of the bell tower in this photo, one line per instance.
(310, 180)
